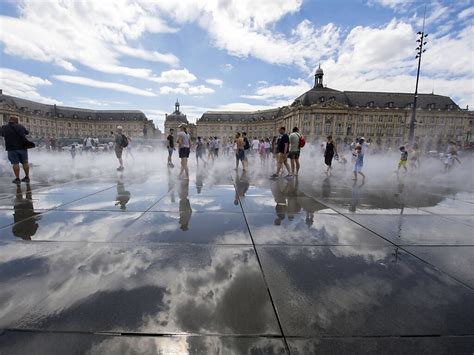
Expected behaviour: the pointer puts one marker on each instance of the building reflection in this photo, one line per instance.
(24, 212)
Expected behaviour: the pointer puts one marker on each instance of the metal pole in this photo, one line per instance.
(411, 130)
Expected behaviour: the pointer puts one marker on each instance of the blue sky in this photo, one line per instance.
(228, 55)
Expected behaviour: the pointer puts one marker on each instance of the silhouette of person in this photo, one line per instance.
(185, 210)
(123, 196)
(279, 194)
(24, 212)
(241, 186)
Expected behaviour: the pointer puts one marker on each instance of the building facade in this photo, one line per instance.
(57, 122)
(174, 119)
(381, 117)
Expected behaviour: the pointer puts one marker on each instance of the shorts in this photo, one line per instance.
(118, 152)
(216, 152)
(282, 157)
(358, 168)
(328, 159)
(18, 156)
(240, 155)
(184, 152)
(402, 163)
(246, 153)
(294, 155)
(170, 152)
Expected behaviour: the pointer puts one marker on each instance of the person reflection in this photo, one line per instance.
(185, 210)
(355, 195)
(123, 196)
(242, 185)
(199, 181)
(171, 186)
(326, 188)
(24, 212)
(294, 207)
(279, 194)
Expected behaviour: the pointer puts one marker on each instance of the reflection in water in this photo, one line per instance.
(199, 180)
(279, 194)
(185, 210)
(123, 196)
(293, 204)
(242, 185)
(24, 211)
(326, 188)
(355, 195)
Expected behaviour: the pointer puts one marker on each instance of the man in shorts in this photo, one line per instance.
(119, 145)
(14, 135)
(294, 152)
(282, 152)
(170, 146)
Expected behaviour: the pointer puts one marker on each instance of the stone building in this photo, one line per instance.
(380, 117)
(173, 120)
(58, 122)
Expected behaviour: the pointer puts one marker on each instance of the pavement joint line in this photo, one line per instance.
(405, 250)
(287, 347)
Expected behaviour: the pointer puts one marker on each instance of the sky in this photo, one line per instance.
(228, 54)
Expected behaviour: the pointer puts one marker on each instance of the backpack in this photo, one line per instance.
(302, 141)
(124, 141)
(246, 143)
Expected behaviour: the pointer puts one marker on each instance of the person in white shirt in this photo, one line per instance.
(255, 145)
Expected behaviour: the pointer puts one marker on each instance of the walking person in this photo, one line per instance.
(282, 153)
(359, 162)
(294, 152)
(246, 145)
(403, 159)
(170, 147)
(183, 141)
(200, 151)
(240, 152)
(121, 142)
(329, 153)
(15, 138)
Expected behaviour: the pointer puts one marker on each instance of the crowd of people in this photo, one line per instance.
(281, 152)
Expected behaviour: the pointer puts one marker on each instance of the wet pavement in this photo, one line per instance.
(146, 263)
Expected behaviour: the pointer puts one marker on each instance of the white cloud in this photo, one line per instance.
(392, 4)
(216, 82)
(186, 89)
(107, 28)
(466, 13)
(96, 102)
(79, 80)
(227, 67)
(152, 56)
(175, 76)
(280, 93)
(19, 84)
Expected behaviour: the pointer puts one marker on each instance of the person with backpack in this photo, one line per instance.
(121, 141)
(246, 146)
(294, 151)
(14, 135)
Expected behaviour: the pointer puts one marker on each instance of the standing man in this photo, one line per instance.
(239, 152)
(282, 152)
(255, 145)
(121, 141)
(246, 145)
(294, 153)
(217, 144)
(15, 136)
(170, 146)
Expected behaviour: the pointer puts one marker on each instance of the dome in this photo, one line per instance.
(319, 70)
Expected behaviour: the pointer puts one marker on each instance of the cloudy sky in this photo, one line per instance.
(228, 54)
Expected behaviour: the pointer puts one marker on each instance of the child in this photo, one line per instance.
(403, 159)
(359, 162)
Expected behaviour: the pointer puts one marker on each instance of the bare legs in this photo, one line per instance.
(184, 168)
(361, 173)
(295, 166)
(16, 170)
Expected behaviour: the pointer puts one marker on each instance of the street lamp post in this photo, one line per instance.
(419, 51)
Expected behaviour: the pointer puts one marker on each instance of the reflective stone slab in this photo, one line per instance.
(188, 226)
(15, 342)
(457, 261)
(150, 289)
(310, 229)
(389, 345)
(418, 230)
(363, 290)
(69, 226)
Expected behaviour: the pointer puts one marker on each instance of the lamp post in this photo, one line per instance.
(419, 51)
